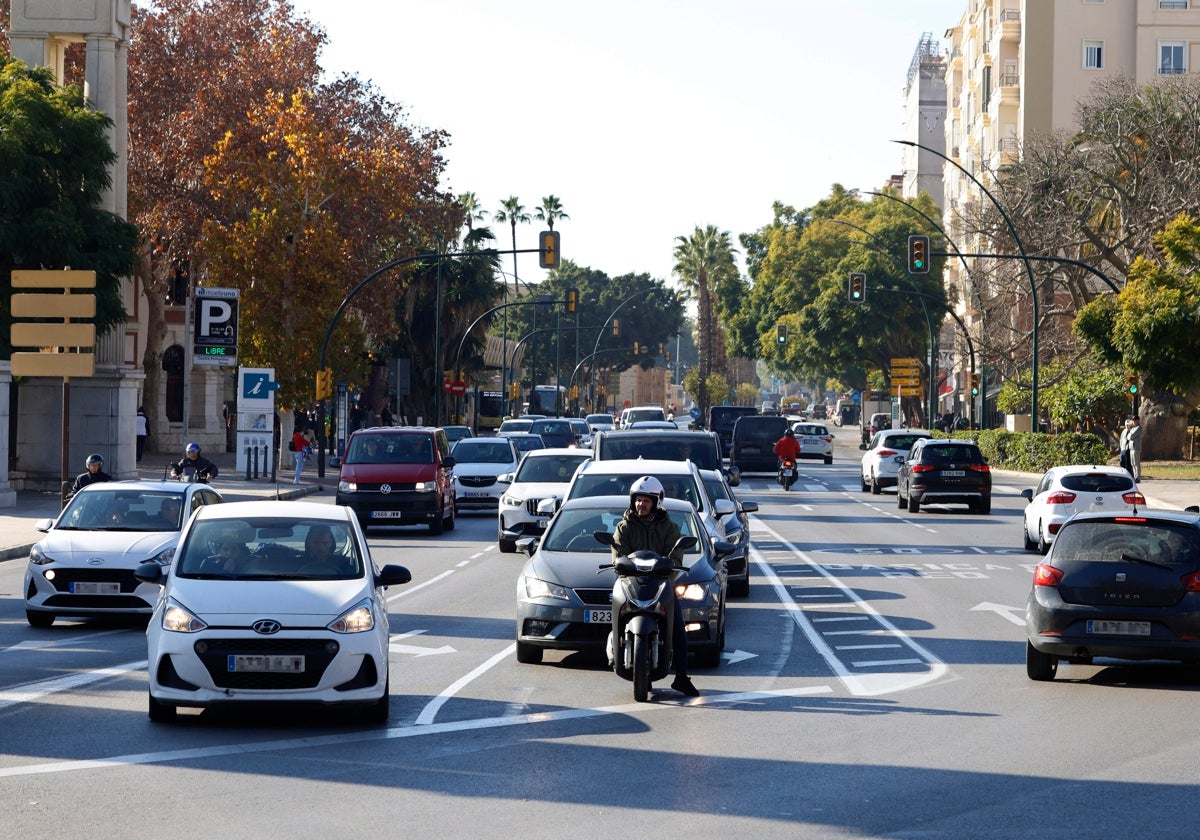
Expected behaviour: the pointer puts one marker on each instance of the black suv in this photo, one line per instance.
(945, 471)
(701, 448)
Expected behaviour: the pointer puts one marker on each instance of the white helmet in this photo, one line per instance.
(647, 485)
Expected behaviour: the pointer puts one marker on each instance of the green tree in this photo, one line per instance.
(702, 261)
(472, 210)
(550, 210)
(54, 156)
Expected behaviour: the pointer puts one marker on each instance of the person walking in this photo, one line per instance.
(1133, 440)
(143, 432)
(1123, 448)
(302, 449)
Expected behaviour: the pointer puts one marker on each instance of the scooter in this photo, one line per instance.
(643, 614)
(787, 473)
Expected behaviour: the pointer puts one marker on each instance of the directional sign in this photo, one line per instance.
(216, 326)
(906, 361)
(906, 382)
(58, 344)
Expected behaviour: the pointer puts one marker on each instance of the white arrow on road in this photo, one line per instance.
(416, 650)
(737, 656)
(1014, 614)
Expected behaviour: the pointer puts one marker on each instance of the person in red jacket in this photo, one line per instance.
(787, 447)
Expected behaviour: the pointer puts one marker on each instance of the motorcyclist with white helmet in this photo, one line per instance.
(646, 526)
(194, 462)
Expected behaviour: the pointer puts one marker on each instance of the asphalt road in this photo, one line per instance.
(873, 686)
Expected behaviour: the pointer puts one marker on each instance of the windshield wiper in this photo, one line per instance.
(1145, 561)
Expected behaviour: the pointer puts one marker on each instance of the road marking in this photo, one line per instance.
(420, 586)
(37, 690)
(1014, 614)
(407, 731)
(433, 706)
(43, 644)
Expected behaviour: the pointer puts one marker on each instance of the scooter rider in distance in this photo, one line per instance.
(646, 526)
(787, 448)
(194, 463)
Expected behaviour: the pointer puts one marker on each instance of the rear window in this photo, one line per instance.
(672, 446)
(901, 441)
(1098, 483)
(637, 415)
(551, 427)
(759, 429)
(606, 484)
(945, 454)
(1107, 541)
(554, 469)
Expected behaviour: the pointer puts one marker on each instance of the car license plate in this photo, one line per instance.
(597, 616)
(277, 664)
(1119, 628)
(386, 514)
(954, 473)
(95, 588)
(810, 441)
(475, 495)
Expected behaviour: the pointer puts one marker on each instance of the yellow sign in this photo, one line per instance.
(906, 361)
(53, 364)
(53, 338)
(905, 391)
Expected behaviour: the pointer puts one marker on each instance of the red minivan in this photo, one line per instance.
(399, 476)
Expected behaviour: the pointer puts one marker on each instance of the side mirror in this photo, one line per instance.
(448, 462)
(683, 543)
(603, 537)
(392, 575)
(1027, 494)
(505, 478)
(43, 525)
(862, 446)
(149, 573)
(723, 508)
(722, 549)
(749, 507)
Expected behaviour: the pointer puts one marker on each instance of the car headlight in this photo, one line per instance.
(358, 619)
(347, 486)
(509, 501)
(178, 619)
(164, 557)
(536, 588)
(690, 592)
(38, 557)
(425, 486)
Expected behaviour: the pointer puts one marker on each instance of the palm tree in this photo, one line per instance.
(511, 211)
(550, 210)
(701, 260)
(472, 210)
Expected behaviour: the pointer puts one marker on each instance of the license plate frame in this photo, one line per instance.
(95, 587)
(476, 494)
(954, 473)
(1106, 627)
(597, 616)
(387, 514)
(276, 663)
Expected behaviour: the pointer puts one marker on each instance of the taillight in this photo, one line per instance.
(1134, 498)
(1191, 582)
(1062, 497)
(887, 453)
(980, 468)
(1047, 575)
(920, 468)
(828, 438)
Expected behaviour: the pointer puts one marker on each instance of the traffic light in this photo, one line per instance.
(324, 384)
(858, 288)
(918, 254)
(1131, 384)
(572, 299)
(514, 390)
(973, 383)
(781, 333)
(636, 348)
(661, 348)
(616, 326)
(548, 249)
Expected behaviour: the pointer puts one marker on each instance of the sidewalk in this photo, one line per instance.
(17, 533)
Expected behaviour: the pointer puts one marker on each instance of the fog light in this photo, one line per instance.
(331, 647)
(534, 627)
(201, 648)
(49, 574)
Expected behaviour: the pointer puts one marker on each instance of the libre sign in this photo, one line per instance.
(216, 325)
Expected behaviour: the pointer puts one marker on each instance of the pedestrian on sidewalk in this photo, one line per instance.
(143, 432)
(302, 449)
(1123, 448)
(1134, 442)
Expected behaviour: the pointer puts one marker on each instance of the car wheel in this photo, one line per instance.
(828, 459)
(452, 517)
(1043, 547)
(863, 481)
(1039, 666)
(710, 657)
(528, 654)
(914, 504)
(378, 711)
(438, 525)
(900, 502)
(985, 507)
(506, 546)
(876, 487)
(740, 588)
(1030, 545)
(160, 712)
(41, 620)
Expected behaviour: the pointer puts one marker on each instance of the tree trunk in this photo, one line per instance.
(1164, 426)
(156, 331)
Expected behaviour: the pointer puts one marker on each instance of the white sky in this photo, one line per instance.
(646, 118)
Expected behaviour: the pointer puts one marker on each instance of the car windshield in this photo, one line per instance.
(572, 530)
(672, 446)
(681, 487)
(559, 428)
(900, 441)
(476, 451)
(1135, 540)
(123, 510)
(558, 468)
(1098, 483)
(274, 548)
(947, 454)
(390, 449)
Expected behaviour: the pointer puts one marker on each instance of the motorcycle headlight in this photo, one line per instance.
(358, 619)
(690, 592)
(536, 588)
(178, 619)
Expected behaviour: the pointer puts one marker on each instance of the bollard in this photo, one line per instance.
(274, 456)
(263, 472)
(256, 462)
(248, 448)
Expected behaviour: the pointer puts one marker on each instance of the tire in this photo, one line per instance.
(641, 668)
(914, 504)
(828, 459)
(710, 657)
(1039, 666)
(876, 487)
(40, 620)
(160, 712)
(985, 507)
(438, 525)
(1043, 547)
(451, 521)
(506, 546)
(900, 503)
(1030, 545)
(378, 711)
(528, 654)
(863, 482)
(740, 588)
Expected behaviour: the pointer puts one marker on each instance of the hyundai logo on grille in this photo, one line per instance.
(385, 489)
(95, 561)
(266, 626)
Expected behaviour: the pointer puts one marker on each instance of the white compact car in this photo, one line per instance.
(267, 603)
(1065, 491)
(543, 474)
(815, 441)
(478, 465)
(885, 453)
(85, 564)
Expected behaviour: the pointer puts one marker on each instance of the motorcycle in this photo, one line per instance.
(643, 614)
(190, 475)
(787, 473)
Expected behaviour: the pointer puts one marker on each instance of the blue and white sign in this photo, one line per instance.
(695, 412)
(256, 414)
(856, 397)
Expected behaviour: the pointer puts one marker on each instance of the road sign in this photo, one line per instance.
(458, 387)
(856, 397)
(905, 391)
(905, 382)
(53, 340)
(695, 412)
(216, 327)
(906, 361)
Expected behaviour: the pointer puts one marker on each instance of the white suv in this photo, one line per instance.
(542, 474)
(885, 454)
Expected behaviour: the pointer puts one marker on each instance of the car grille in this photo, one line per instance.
(477, 480)
(316, 660)
(531, 506)
(595, 597)
(63, 578)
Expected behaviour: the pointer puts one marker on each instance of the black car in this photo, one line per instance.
(700, 447)
(555, 432)
(944, 472)
(754, 439)
(1116, 585)
(721, 419)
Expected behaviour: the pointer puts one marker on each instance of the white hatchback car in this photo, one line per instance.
(542, 474)
(885, 453)
(815, 441)
(1065, 491)
(270, 602)
(478, 464)
(85, 564)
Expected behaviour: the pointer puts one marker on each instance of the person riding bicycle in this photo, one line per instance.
(194, 462)
(95, 473)
(646, 526)
(787, 447)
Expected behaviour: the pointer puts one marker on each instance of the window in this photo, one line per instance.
(1170, 58)
(1172, 4)
(1093, 55)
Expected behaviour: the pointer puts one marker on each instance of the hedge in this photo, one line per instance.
(1034, 451)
